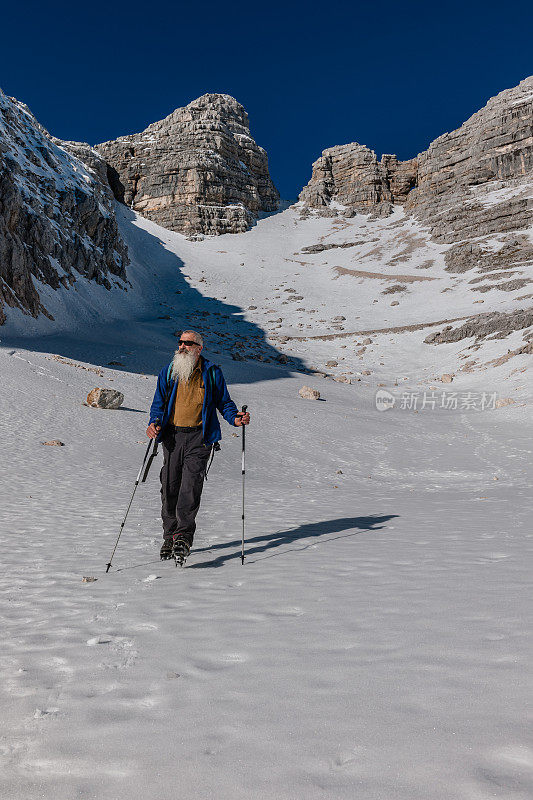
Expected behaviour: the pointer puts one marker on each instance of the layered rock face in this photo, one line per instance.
(475, 181)
(197, 171)
(473, 191)
(351, 175)
(401, 176)
(492, 150)
(56, 213)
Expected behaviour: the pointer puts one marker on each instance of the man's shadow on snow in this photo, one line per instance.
(261, 544)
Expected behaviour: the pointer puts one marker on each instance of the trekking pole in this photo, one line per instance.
(243, 474)
(145, 459)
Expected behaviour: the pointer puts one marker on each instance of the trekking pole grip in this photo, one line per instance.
(243, 411)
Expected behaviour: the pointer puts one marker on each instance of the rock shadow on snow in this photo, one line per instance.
(146, 342)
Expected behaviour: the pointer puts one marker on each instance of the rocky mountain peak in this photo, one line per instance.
(473, 182)
(495, 143)
(209, 109)
(196, 171)
(222, 105)
(352, 176)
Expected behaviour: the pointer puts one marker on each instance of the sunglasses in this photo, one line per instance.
(188, 343)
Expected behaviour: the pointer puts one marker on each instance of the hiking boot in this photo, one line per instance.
(166, 550)
(180, 550)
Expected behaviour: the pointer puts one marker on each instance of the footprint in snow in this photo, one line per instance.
(98, 640)
(511, 769)
(41, 713)
(219, 662)
(288, 611)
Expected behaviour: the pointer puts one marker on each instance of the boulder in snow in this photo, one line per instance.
(309, 394)
(105, 398)
(504, 401)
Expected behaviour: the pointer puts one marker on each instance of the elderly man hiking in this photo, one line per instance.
(183, 416)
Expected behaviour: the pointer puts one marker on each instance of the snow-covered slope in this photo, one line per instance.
(384, 279)
(309, 293)
(375, 644)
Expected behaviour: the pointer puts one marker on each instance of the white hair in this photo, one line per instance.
(196, 335)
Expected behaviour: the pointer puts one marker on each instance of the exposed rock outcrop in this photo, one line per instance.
(476, 181)
(320, 248)
(471, 183)
(351, 175)
(196, 171)
(401, 176)
(56, 213)
(513, 250)
(494, 324)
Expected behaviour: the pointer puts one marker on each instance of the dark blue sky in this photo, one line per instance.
(392, 76)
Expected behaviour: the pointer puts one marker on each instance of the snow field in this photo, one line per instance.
(375, 643)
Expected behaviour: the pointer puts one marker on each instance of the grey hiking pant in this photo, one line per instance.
(182, 480)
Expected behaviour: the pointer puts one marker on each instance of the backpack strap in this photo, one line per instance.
(170, 386)
(216, 446)
(211, 377)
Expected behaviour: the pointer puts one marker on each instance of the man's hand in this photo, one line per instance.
(152, 430)
(242, 419)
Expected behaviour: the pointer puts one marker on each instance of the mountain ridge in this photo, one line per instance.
(348, 259)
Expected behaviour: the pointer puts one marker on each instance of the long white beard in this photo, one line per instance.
(183, 365)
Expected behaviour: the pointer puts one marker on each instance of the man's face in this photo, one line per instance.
(188, 345)
(186, 356)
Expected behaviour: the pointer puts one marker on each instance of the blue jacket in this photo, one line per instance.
(216, 396)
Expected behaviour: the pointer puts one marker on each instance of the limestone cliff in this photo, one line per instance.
(473, 182)
(351, 175)
(477, 181)
(56, 213)
(196, 171)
